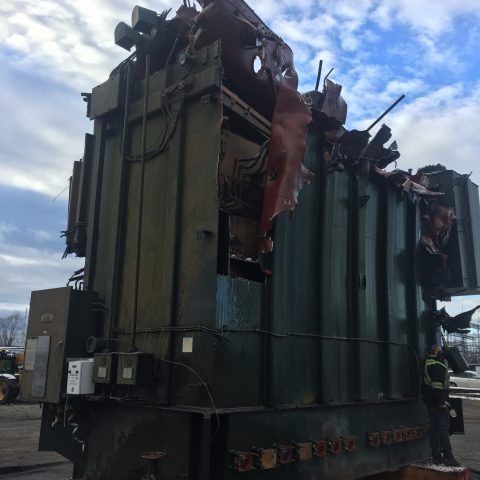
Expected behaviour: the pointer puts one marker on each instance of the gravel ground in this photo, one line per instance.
(20, 425)
(466, 448)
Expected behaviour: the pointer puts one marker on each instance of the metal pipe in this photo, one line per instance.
(392, 106)
(112, 308)
(319, 74)
(328, 74)
(140, 202)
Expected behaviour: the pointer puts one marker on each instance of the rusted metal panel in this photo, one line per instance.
(286, 174)
(271, 89)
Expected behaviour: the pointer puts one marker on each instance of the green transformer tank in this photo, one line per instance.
(258, 290)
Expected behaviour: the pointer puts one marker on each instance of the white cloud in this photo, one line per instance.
(42, 235)
(5, 229)
(429, 16)
(24, 269)
(6, 308)
(71, 40)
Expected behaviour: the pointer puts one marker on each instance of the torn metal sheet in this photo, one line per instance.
(406, 182)
(259, 73)
(410, 186)
(265, 119)
(259, 67)
(329, 106)
(376, 152)
(286, 174)
(458, 324)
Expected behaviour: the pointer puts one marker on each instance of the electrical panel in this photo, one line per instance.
(60, 321)
(80, 377)
(105, 367)
(135, 368)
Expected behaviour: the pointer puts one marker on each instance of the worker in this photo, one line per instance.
(436, 383)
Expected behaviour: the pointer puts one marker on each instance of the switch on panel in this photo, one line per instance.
(80, 377)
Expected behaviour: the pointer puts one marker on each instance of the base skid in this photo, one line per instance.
(108, 441)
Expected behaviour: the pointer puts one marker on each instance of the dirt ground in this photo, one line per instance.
(20, 425)
(466, 448)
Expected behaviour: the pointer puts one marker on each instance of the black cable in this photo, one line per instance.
(204, 384)
(195, 328)
(346, 339)
(140, 204)
(220, 333)
(119, 220)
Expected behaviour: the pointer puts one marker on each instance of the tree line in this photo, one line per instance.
(12, 329)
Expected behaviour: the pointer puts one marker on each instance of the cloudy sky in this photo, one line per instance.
(50, 51)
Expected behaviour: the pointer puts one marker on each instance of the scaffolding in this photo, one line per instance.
(469, 344)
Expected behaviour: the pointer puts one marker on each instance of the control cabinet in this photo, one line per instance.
(60, 321)
(80, 377)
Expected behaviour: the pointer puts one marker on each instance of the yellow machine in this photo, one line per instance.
(11, 368)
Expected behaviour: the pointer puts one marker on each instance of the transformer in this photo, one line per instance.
(252, 298)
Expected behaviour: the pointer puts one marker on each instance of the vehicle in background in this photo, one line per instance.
(467, 379)
(11, 367)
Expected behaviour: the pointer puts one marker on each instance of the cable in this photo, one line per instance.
(140, 203)
(204, 384)
(346, 339)
(198, 328)
(161, 142)
(65, 412)
(68, 186)
(219, 333)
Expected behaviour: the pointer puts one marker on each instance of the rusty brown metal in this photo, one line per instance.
(259, 68)
(286, 174)
(332, 103)
(266, 458)
(246, 40)
(260, 79)
(303, 451)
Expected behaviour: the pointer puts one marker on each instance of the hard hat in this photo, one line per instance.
(434, 350)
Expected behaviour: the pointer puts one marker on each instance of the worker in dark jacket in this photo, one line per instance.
(436, 384)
